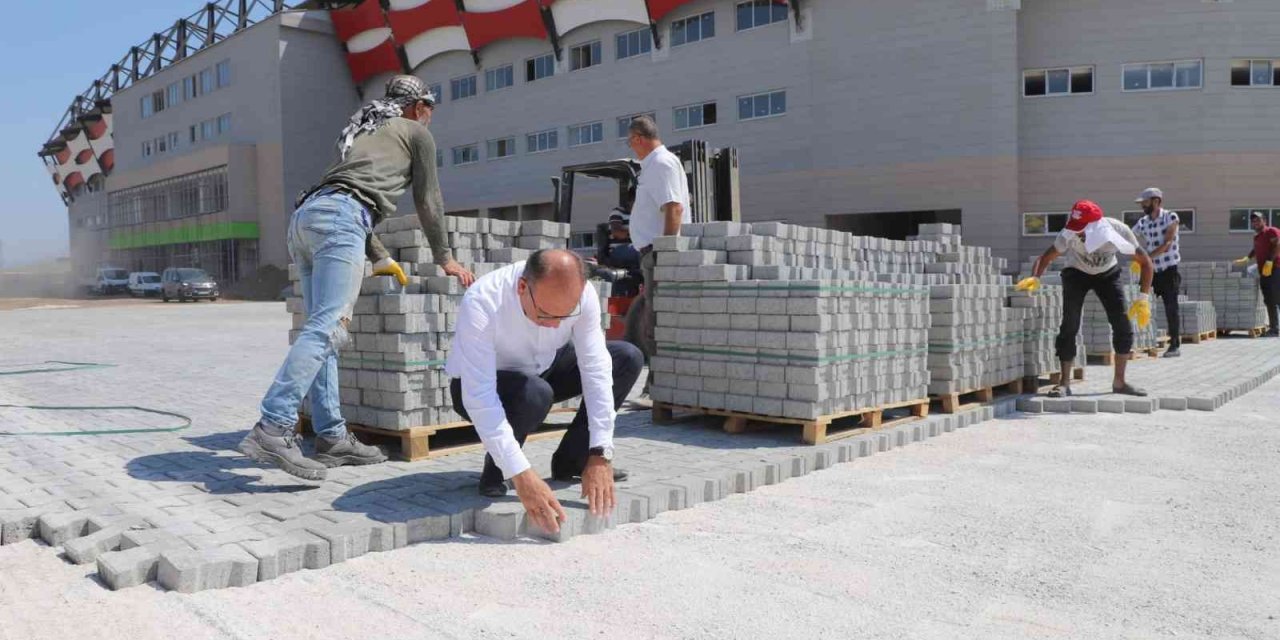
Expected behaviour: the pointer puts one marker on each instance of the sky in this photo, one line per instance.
(63, 47)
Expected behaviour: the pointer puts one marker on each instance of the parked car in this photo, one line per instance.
(110, 280)
(144, 284)
(186, 283)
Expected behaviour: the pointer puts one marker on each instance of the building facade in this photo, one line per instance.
(852, 114)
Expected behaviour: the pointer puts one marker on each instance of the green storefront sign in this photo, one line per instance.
(206, 232)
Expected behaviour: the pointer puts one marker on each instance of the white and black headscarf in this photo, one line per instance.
(402, 91)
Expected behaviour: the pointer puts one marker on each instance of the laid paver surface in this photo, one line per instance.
(167, 492)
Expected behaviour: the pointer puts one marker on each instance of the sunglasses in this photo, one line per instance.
(543, 315)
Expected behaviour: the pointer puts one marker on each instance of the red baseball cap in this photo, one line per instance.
(1083, 214)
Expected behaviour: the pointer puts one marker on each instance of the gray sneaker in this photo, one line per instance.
(284, 451)
(335, 453)
(1173, 353)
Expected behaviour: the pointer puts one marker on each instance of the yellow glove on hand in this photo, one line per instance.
(1029, 285)
(1266, 269)
(1242, 261)
(389, 267)
(1140, 312)
(1135, 267)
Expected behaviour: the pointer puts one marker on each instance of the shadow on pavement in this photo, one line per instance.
(213, 469)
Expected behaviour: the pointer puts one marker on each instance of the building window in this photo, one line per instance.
(182, 197)
(1239, 220)
(624, 123)
(208, 129)
(1186, 219)
(1044, 224)
(147, 148)
(758, 13)
(466, 154)
(223, 71)
(173, 140)
(539, 67)
(173, 94)
(502, 148)
(584, 56)
(634, 43)
(542, 141)
(190, 89)
(589, 133)
(1163, 76)
(224, 124)
(463, 87)
(762, 105)
(499, 78)
(582, 240)
(207, 81)
(1057, 82)
(162, 145)
(439, 157)
(696, 115)
(689, 30)
(1255, 73)
(437, 91)
(147, 105)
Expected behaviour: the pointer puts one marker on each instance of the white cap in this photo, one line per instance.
(1149, 193)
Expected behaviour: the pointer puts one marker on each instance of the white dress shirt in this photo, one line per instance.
(494, 334)
(661, 181)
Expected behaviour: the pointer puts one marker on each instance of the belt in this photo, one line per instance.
(334, 189)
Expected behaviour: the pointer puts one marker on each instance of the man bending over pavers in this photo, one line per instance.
(528, 336)
(1090, 242)
(384, 149)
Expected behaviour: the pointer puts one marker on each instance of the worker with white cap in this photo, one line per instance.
(1090, 242)
(1158, 232)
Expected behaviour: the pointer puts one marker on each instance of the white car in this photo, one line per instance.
(110, 280)
(144, 284)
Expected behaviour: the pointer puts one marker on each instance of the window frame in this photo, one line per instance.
(753, 96)
(700, 17)
(437, 89)
(551, 134)
(1182, 227)
(786, 14)
(456, 83)
(489, 146)
(222, 74)
(1273, 216)
(550, 57)
(624, 130)
(475, 146)
(1066, 215)
(491, 74)
(582, 125)
(1275, 73)
(675, 117)
(207, 73)
(645, 42)
(595, 48)
(1093, 82)
(1125, 67)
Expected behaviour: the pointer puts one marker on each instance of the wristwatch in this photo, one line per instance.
(603, 452)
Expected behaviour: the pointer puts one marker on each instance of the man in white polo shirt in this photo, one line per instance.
(1157, 231)
(661, 206)
(528, 336)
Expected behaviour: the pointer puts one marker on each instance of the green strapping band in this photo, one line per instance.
(70, 366)
(186, 421)
(875, 355)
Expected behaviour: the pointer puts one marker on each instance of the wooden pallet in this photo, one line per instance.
(433, 441)
(1030, 384)
(1197, 338)
(1256, 332)
(1109, 359)
(954, 402)
(815, 431)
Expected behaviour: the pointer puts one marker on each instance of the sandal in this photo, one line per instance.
(1129, 390)
(1059, 391)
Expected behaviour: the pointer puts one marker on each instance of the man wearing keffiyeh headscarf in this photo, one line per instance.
(1090, 242)
(384, 149)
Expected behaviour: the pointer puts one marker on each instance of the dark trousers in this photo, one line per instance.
(1167, 284)
(527, 400)
(1076, 285)
(1270, 298)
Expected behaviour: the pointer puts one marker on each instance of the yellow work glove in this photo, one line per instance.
(1266, 269)
(1030, 285)
(1135, 267)
(1241, 262)
(389, 267)
(1140, 312)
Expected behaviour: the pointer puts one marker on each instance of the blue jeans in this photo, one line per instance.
(326, 240)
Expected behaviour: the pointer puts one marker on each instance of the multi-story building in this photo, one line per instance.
(854, 114)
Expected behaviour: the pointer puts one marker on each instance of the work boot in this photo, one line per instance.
(347, 450)
(492, 484)
(1173, 353)
(283, 450)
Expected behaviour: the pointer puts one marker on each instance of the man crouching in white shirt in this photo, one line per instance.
(528, 336)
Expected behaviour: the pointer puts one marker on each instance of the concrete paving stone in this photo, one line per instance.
(1111, 405)
(1057, 405)
(1084, 405)
(353, 539)
(86, 549)
(632, 507)
(128, 568)
(192, 570)
(17, 525)
(1173, 404)
(57, 528)
(294, 551)
(501, 520)
(1139, 405)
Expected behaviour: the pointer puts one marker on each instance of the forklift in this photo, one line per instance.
(713, 196)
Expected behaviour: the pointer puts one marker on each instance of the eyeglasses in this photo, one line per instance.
(544, 316)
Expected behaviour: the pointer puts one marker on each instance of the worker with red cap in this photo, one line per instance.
(1090, 243)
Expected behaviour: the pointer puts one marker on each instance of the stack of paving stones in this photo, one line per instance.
(1233, 291)
(1041, 315)
(391, 371)
(975, 339)
(1195, 316)
(1095, 328)
(788, 321)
